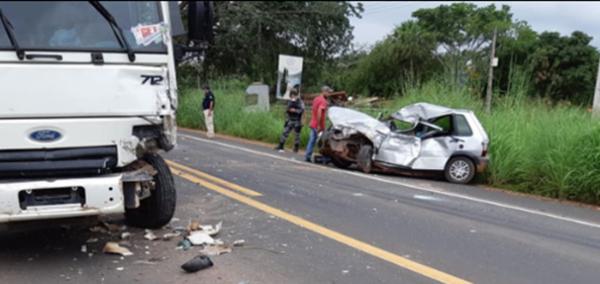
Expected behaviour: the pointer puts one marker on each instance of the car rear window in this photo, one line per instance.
(461, 126)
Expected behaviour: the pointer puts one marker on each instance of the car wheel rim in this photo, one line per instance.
(460, 170)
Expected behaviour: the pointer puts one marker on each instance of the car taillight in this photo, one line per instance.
(484, 150)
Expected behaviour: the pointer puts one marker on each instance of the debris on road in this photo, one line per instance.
(197, 263)
(84, 248)
(212, 230)
(125, 235)
(91, 240)
(199, 238)
(114, 227)
(169, 236)
(193, 226)
(213, 250)
(120, 268)
(115, 248)
(98, 229)
(239, 243)
(184, 244)
(150, 235)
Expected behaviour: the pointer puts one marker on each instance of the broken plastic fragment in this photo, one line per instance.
(150, 235)
(198, 238)
(209, 229)
(193, 226)
(215, 250)
(197, 263)
(114, 248)
(184, 244)
(169, 236)
(125, 235)
(239, 243)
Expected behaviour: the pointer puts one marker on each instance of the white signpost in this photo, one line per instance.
(289, 75)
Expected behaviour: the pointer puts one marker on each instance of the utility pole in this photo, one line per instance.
(596, 105)
(488, 95)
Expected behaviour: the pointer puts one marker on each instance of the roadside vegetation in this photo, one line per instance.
(536, 147)
(543, 139)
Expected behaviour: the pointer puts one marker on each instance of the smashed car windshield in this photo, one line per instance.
(72, 25)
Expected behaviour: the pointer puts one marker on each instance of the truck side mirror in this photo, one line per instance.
(200, 21)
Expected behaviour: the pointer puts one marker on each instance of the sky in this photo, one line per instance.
(380, 18)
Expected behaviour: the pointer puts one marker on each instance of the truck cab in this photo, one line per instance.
(88, 97)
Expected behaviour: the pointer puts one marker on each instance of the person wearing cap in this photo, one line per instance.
(208, 105)
(295, 110)
(317, 120)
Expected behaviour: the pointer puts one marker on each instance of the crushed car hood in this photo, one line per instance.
(363, 123)
(420, 111)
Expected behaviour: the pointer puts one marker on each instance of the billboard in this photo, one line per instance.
(289, 75)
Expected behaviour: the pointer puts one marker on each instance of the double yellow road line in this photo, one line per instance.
(231, 190)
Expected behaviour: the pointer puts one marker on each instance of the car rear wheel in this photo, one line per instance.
(158, 209)
(460, 170)
(364, 158)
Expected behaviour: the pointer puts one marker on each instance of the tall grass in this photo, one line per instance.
(229, 114)
(549, 150)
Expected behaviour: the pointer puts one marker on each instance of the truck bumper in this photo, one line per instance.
(60, 198)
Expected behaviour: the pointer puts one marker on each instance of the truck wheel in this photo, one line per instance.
(364, 158)
(460, 170)
(158, 209)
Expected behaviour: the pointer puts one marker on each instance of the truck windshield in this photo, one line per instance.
(78, 26)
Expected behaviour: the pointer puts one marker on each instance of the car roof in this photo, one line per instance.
(424, 111)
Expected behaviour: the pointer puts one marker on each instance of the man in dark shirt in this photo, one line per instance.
(208, 105)
(295, 109)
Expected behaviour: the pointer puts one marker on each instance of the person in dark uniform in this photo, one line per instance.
(295, 110)
(208, 105)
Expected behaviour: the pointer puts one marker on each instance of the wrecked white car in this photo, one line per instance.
(420, 137)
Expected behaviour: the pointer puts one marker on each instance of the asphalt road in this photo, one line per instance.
(305, 223)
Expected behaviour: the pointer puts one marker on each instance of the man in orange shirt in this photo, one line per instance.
(317, 120)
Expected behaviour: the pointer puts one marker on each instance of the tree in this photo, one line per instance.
(564, 67)
(514, 53)
(463, 32)
(404, 57)
(250, 35)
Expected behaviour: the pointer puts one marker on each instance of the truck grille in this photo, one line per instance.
(52, 162)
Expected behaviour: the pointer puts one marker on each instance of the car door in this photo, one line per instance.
(436, 146)
(398, 149)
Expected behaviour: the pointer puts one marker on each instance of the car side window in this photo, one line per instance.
(445, 122)
(461, 126)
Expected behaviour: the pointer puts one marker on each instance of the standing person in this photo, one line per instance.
(295, 109)
(208, 105)
(317, 120)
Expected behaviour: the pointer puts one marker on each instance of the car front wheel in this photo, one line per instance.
(364, 158)
(460, 170)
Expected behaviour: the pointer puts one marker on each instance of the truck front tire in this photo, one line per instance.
(158, 209)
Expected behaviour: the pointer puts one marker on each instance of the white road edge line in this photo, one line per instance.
(450, 194)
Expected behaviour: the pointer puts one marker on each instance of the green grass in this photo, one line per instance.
(230, 116)
(535, 148)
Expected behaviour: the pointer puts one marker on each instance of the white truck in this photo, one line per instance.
(88, 97)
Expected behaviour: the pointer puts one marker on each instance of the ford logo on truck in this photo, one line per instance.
(45, 135)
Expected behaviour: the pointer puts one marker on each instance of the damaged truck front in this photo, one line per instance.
(88, 99)
(433, 138)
